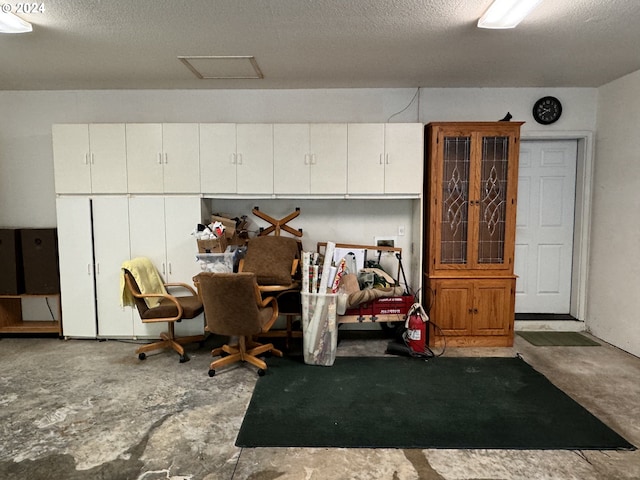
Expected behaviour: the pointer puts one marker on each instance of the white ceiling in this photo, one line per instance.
(135, 44)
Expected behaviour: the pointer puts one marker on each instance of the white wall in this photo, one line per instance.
(612, 312)
(26, 164)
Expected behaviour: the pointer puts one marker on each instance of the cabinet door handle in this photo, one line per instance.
(381, 161)
(313, 159)
(97, 269)
(160, 158)
(166, 158)
(475, 310)
(88, 269)
(93, 159)
(164, 269)
(306, 159)
(239, 159)
(471, 310)
(170, 268)
(86, 159)
(232, 158)
(386, 159)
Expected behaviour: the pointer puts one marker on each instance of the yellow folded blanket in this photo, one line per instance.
(147, 278)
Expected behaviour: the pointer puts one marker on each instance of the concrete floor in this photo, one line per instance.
(84, 409)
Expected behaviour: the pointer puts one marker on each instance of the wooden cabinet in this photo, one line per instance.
(474, 312)
(12, 321)
(470, 209)
(385, 158)
(89, 158)
(163, 158)
(236, 158)
(310, 158)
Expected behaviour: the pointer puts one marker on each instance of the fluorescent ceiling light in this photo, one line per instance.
(507, 13)
(9, 23)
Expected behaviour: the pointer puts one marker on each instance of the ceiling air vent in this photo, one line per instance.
(223, 67)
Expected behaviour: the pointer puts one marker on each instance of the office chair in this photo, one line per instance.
(275, 261)
(233, 306)
(155, 304)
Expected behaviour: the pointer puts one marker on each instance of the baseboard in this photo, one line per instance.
(549, 325)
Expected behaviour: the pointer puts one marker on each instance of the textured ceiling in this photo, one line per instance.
(127, 44)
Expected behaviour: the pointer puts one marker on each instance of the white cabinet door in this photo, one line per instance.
(160, 229)
(111, 249)
(218, 158)
(291, 158)
(146, 236)
(89, 158)
(72, 170)
(365, 158)
(181, 157)
(254, 158)
(76, 266)
(108, 158)
(404, 158)
(328, 158)
(144, 157)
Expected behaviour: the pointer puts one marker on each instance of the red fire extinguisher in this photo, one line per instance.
(416, 329)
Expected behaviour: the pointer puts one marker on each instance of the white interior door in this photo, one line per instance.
(545, 222)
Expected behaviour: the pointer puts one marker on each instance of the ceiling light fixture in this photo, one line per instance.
(507, 13)
(10, 23)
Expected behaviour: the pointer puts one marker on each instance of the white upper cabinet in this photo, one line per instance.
(236, 158)
(366, 158)
(218, 157)
(404, 158)
(89, 158)
(254, 158)
(385, 158)
(310, 158)
(163, 158)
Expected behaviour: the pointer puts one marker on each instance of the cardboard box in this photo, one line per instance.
(229, 225)
(215, 245)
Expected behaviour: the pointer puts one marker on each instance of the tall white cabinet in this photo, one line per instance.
(77, 287)
(97, 234)
(159, 228)
(111, 248)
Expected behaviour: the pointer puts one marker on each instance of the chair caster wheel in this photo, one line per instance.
(261, 372)
(184, 358)
(142, 356)
(212, 373)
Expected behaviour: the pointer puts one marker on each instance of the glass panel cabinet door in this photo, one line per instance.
(492, 198)
(454, 219)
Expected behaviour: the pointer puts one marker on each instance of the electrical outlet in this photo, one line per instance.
(400, 230)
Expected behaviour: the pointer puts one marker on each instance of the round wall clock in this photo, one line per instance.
(547, 110)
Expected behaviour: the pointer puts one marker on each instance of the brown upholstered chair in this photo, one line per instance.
(275, 261)
(171, 309)
(233, 306)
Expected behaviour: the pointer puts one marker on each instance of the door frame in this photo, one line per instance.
(582, 214)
